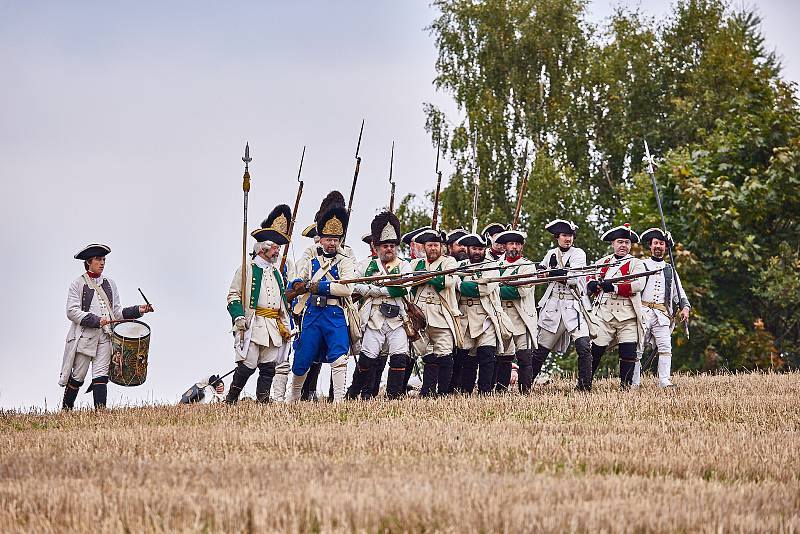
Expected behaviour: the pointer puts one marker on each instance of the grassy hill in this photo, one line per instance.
(718, 453)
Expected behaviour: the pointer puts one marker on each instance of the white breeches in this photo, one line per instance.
(386, 340)
(259, 354)
(96, 350)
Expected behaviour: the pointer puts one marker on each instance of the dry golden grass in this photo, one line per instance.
(718, 454)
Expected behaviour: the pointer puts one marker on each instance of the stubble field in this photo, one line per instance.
(718, 454)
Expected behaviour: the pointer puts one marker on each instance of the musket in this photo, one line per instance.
(476, 179)
(617, 279)
(391, 182)
(294, 211)
(521, 192)
(412, 279)
(586, 270)
(652, 174)
(355, 176)
(434, 218)
(246, 189)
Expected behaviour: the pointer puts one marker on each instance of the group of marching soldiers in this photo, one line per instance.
(463, 304)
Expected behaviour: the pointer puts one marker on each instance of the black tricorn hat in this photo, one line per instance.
(621, 232)
(429, 236)
(367, 238)
(333, 222)
(655, 233)
(310, 231)
(510, 236)
(94, 250)
(561, 226)
(472, 240)
(411, 236)
(385, 228)
(454, 235)
(492, 229)
(275, 227)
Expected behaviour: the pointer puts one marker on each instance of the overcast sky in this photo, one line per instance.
(124, 123)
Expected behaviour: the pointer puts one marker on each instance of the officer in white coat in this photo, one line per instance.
(92, 305)
(561, 315)
(662, 294)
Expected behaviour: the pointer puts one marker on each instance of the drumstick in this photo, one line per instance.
(145, 298)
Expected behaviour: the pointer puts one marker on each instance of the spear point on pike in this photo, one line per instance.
(246, 190)
(649, 159)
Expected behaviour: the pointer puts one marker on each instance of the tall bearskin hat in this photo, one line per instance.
(332, 217)
(385, 229)
(275, 227)
(621, 232)
(334, 198)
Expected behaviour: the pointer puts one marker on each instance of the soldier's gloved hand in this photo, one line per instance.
(297, 289)
(559, 272)
(593, 287)
(607, 286)
(240, 324)
(313, 287)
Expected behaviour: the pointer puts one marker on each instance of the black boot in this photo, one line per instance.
(468, 374)
(459, 359)
(430, 376)
(309, 391)
(71, 393)
(266, 372)
(527, 370)
(99, 389)
(597, 355)
(410, 361)
(627, 362)
(503, 368)
(584, 350)
(365, 368)
(487, 362)
(445, 374)
(240, 377)
(394, 380)
(380, 365)
(355, 385)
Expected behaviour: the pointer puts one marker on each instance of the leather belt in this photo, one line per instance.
(508, 303)
(565, 296)
(655, 306)
(429, 300)
(469, 302)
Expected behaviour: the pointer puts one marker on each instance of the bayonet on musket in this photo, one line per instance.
(435, 217)
(246, 189)
(652, 174)
(294, 211)
(521, 189)
(476, 180)
(355, 176)
(391, 182)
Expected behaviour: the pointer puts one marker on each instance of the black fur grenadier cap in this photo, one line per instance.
(275, 227)
(385, 228)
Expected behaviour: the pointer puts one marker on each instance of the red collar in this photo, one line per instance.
(509, 260)
(93, 275)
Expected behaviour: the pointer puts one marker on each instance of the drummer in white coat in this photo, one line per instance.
(662, 294)
(561, 318)
(92, 305)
